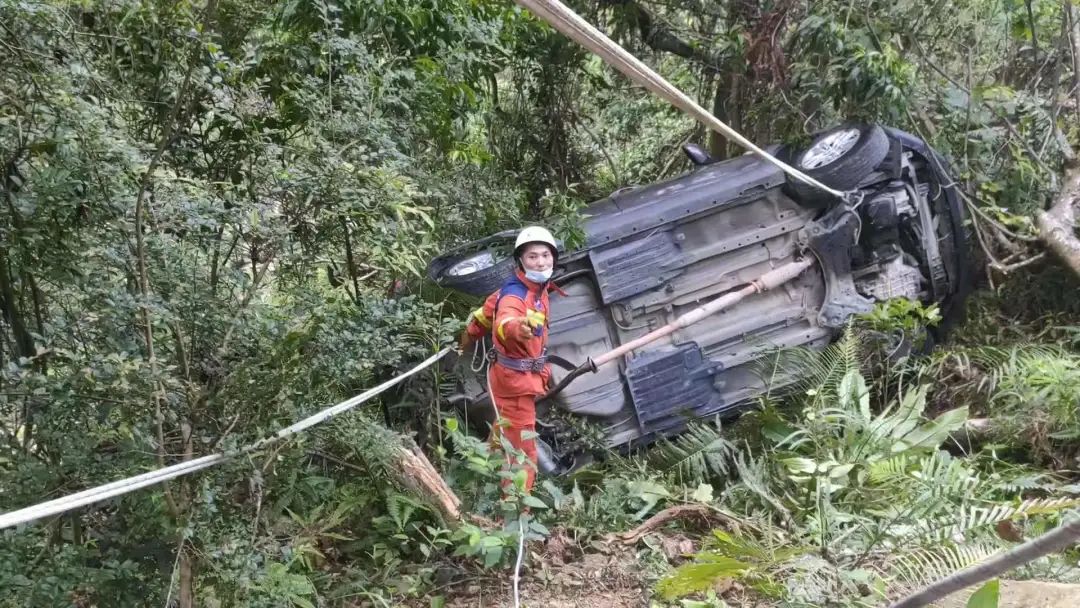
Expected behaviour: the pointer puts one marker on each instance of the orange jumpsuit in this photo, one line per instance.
(514, 391)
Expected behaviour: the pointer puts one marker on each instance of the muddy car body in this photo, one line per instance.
(657, 251)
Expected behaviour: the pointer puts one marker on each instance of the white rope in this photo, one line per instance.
(571, 24)
(517, 565)
(479, 354)
(130, 484)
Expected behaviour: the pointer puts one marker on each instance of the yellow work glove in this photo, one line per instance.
(515, 330)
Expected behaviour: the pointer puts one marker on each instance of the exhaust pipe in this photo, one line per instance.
(770, 280)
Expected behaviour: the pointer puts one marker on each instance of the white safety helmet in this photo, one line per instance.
(535, 234)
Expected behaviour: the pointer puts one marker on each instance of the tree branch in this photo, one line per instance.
(1054, 540)
(350, 263)
(599, 144)
(1008, 125)
(659, 37)
(169, 128)
(699, 512)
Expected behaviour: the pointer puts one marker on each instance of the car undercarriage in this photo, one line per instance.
(654, 252)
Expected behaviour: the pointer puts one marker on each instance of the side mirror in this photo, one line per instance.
(697, 154)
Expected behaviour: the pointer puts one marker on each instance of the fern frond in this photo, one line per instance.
(924, 566)
(699, 453)
(1004, 365)
(818, 371)
(891, 470)
(936, 475)
(942, 476)
(754, 476)
(401, 509)
(688, 578)
(1044, 506)
(1027, 483)
(974, 519)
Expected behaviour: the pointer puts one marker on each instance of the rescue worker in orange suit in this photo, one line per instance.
(517, 317)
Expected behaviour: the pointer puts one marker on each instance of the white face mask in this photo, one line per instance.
(538, 276)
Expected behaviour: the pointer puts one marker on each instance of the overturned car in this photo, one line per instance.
(654, 252)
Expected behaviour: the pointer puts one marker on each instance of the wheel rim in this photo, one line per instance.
(829, 148)
(471, 264)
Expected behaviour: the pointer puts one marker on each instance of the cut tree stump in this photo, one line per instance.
(418, 474)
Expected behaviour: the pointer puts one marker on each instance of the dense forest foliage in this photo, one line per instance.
(215, 220)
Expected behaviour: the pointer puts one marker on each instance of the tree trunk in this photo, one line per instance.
(737, 101)
(1074, 52)
(24, 342)
(186, 596)
(735, 76)
(215, 260)
(186, 559)
(1057, 225)
(717, 142)
(1034, 34)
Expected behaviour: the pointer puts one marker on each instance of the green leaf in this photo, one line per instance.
(689, 578)
(520, 476)
(703, 493)
(840, 471)
(532, 501)
(800, 465)
(646, 489)
(648, 492)
(933, 434)
(853, 390)
(492, 557)
(985, 597)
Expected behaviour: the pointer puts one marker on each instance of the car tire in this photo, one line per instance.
(481, 282)
(857, 159)
(957, 251)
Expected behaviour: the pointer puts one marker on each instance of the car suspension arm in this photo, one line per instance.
(770, 280)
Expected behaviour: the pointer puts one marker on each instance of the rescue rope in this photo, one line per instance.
(565, 20)
(517, 564)
(130, 484)
(479, 356)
